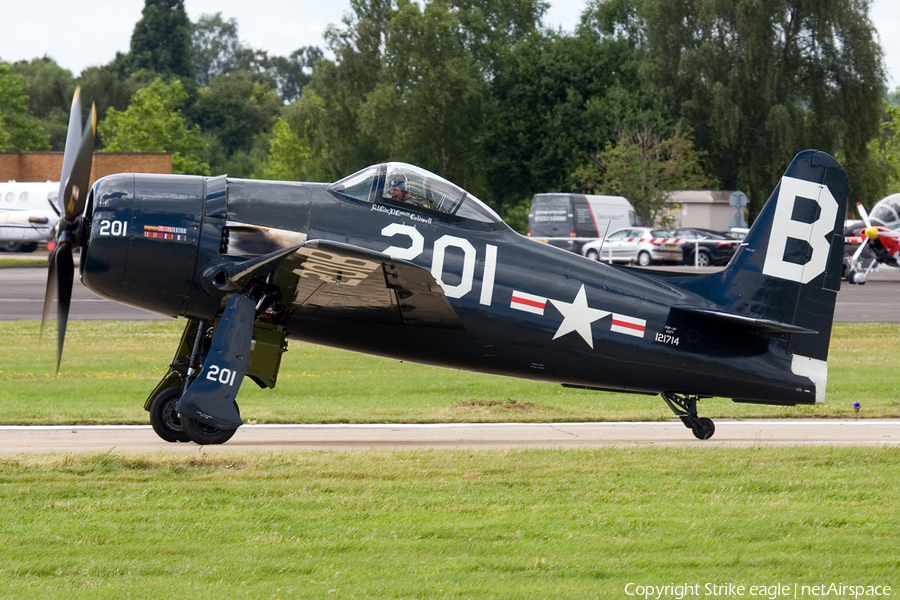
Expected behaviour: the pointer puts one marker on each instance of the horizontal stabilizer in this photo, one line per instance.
(759, 325)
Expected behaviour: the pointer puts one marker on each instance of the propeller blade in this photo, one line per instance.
(863, 214)
(76, 184)
(859, 251)
(65, 275)
(60, 278)
(74, 179)
(50, 293)
(73, 139)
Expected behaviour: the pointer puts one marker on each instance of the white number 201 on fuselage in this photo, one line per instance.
(470, 258)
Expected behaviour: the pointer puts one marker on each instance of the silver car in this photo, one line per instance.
(641, 245)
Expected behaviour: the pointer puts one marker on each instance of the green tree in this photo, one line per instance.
(49, 88)
(217, 50)
(290, 74)
(341, 85)
(885, 150)
(430, 104)
(758, 81)
(235, 108)
(288, 154)
(153, 123)
(558, 99)
(645, 169)
(215, 45)
(411, 81)
(161, 41)
(4, 136)
(19, 131)
(112, 85)
(304, 118)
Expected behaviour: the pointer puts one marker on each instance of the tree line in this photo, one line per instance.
(644, 97)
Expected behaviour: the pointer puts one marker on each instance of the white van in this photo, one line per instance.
(28, 213)
(568, 221)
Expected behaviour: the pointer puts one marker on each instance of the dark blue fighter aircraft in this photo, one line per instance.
(398, 262)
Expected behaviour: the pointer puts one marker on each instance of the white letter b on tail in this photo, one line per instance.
(787, 230)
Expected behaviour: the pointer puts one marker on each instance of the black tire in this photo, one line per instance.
(203, 434)
(644, 259)
(164, 419)
(704, 259)
(593, 255)
(704, 429)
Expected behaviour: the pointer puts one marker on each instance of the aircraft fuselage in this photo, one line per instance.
(527, 309)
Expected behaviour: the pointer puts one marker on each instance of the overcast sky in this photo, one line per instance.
(83, 34)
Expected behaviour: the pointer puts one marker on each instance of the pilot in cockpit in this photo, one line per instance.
(398, 188)
(398, 185)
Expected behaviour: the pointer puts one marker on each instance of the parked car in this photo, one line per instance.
(641, 245)
(736, 233)
(712, 247)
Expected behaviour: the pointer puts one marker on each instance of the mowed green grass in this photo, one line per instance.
(22, 262)
(428, 524)
(109, 368)
(447, 524)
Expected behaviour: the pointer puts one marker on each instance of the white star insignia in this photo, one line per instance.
(578, 316)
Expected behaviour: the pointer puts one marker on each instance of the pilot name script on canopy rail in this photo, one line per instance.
(771, 591)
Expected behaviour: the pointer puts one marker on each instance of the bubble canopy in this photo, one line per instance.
(887, 212)
(413, 188)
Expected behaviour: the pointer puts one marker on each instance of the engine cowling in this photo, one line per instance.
(142, 241)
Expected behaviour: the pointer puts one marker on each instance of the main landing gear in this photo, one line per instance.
(198, 346)
(685, 408)
(165, 419)
(174, 427)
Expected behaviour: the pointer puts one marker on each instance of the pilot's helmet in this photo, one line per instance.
(398, 181)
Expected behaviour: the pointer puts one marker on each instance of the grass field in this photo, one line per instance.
(432, 524)
(110, 367)
(448, 524)
(23, 262)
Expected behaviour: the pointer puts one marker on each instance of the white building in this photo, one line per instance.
(707, 209)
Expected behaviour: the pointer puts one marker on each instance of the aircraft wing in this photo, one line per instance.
(330, 280)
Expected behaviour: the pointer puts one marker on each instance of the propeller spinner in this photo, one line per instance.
(74, 180)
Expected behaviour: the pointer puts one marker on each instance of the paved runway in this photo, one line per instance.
(464, 436)
(22, 296)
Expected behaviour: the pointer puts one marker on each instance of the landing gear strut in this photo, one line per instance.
(196, 431)
(685, 408)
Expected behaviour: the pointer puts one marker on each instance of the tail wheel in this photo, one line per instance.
(203, 434)
(163, 417)
(593, 255)
(704, 429)
(644, 259)
(685, 408)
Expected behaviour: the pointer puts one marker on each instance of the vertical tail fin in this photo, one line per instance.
(787, 271)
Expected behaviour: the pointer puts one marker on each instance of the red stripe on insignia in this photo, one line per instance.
(527, 302)
(628, 325)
